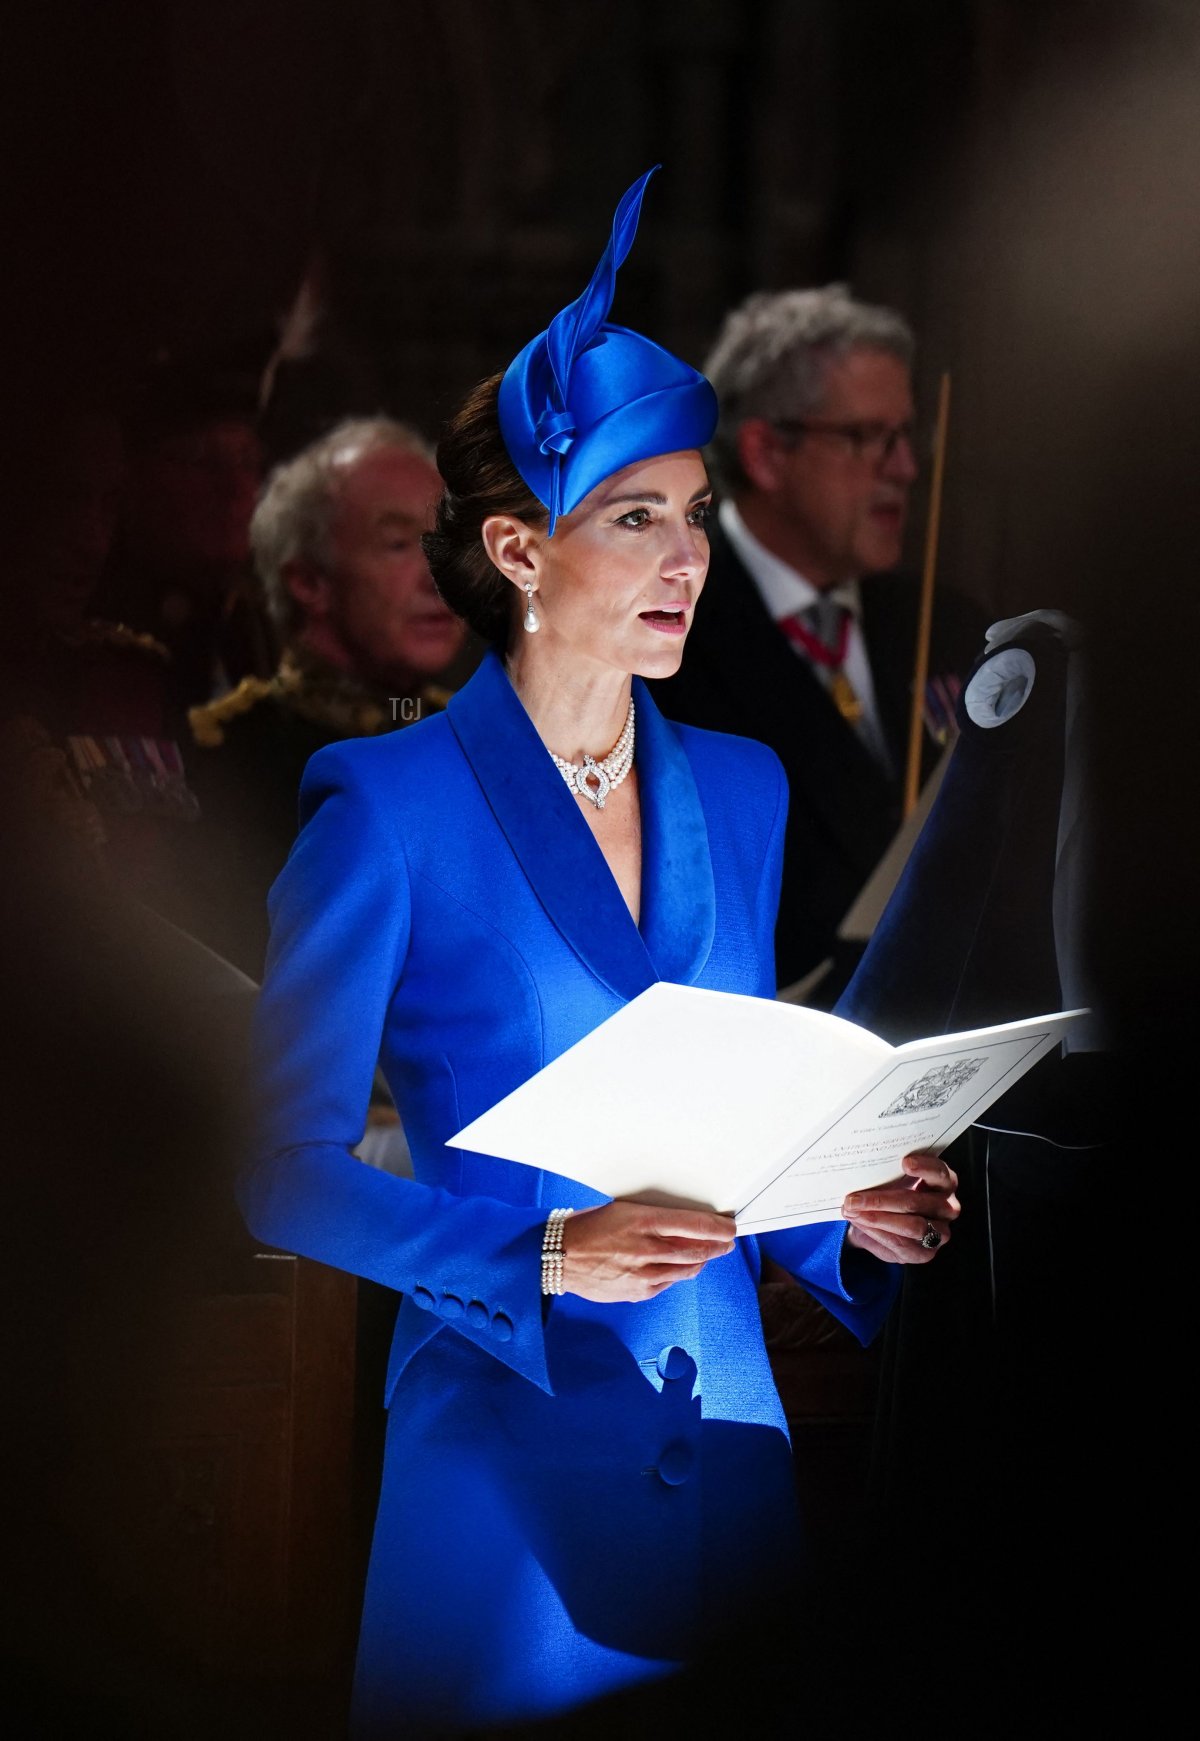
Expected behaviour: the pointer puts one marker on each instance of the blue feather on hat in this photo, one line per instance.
(586, 398)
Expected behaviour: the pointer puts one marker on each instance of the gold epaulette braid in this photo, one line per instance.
(208, 721)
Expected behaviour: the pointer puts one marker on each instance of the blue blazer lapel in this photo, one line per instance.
(551, 840)
(679, 905)
(559, 855)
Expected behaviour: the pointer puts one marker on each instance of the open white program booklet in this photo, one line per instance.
(761, 1109)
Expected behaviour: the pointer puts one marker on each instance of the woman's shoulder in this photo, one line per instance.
(724, 755)
(740, 782)
(411, 754)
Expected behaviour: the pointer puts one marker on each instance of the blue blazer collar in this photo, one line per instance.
(558, 852)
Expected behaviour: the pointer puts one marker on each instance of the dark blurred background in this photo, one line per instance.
(1018, 176)
(401, 192)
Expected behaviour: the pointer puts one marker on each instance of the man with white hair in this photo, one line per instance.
(368, 646)
(803, 637)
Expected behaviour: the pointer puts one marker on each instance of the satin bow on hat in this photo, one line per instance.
(586, 398)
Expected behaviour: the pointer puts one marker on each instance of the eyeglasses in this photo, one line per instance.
(875, 442)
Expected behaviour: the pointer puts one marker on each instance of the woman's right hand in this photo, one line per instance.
(632, 1251)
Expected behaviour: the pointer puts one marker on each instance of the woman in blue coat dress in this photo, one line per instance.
(587, 1475)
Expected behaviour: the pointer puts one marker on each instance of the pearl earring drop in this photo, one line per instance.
(532, 621)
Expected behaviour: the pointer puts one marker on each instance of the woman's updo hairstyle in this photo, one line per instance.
(479, 480)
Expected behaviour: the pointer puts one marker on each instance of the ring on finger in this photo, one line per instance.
(931, 1238)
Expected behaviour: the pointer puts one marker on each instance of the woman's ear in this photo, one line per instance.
(512, 547)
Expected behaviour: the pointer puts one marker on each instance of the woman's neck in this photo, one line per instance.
(577, 709)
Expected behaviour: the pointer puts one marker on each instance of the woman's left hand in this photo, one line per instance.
(909, 1221)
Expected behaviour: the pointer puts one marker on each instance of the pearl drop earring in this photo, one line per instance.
(532, 621)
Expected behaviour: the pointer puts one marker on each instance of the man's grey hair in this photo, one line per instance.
(295, 507)
(771, 354)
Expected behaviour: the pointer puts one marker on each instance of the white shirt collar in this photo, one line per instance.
(783, 589)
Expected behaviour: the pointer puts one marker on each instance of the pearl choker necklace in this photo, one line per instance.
(607, 773)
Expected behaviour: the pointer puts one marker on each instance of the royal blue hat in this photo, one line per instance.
(585, 398)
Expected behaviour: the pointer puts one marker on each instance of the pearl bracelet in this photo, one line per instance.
(552, 1252)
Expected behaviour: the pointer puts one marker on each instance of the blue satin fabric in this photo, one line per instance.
(575, 1497)
(586, 398)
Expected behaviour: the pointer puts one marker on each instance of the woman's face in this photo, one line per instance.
(619, 580)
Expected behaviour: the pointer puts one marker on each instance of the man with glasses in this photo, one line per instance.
(805, 637)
